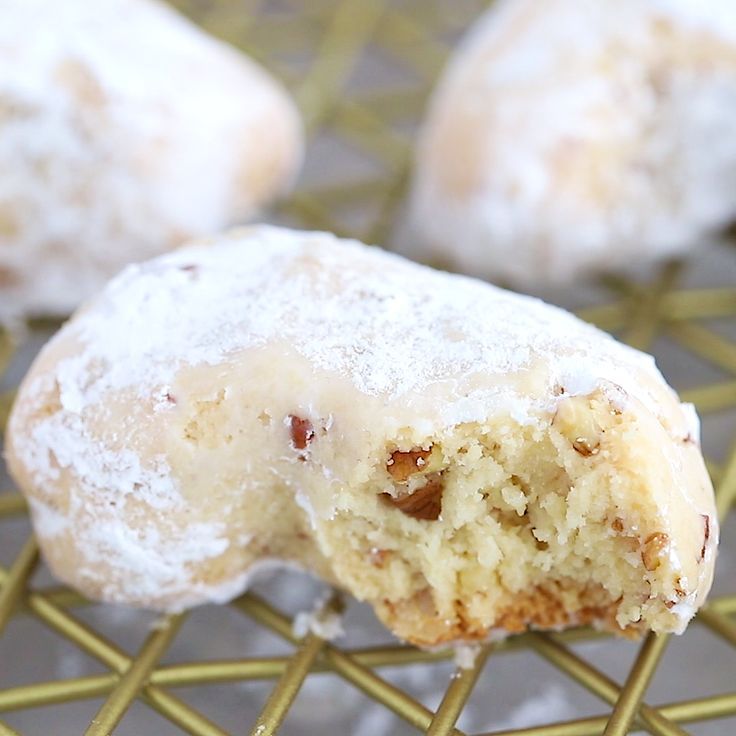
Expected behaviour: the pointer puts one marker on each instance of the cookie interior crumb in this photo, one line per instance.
(534, 528)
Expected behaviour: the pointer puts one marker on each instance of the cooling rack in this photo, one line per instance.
(361, 71)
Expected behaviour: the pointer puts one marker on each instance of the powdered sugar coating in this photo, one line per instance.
(389, 326)
(568, 137)
(124, 130)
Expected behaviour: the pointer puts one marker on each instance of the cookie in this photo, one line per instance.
(465, 459)
(571, 138)
(124, 130)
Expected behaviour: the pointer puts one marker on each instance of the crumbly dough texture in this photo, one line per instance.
(465, 459)
(124, 130)
(569, 137)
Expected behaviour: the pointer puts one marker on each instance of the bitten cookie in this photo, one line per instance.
(570, 137)
(124, 130)
(463, 458)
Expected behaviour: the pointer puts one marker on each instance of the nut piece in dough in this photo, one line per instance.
(124, 131)
(570, 137)
(275, 410)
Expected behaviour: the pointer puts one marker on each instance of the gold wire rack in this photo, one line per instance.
(361, 71)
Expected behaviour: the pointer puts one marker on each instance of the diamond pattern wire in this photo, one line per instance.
(361, 71)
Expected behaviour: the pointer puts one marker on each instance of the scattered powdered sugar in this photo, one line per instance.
(389, 326)
(465, 655)
(323, 621)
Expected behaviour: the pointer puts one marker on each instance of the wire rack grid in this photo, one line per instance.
(361, 71)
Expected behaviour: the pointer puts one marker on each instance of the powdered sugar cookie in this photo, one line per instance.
(124, 130)
(570, 137)
(463, 458)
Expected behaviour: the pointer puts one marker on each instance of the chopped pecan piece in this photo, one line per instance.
(302, 432)
(379, 557)
(424, 504)
(679, 591)
(706, 536)
(583, 447)
(576, 421)
(655, 546)
(403, 464)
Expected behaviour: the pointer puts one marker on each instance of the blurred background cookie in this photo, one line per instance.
(569, 137)
(124, 130)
